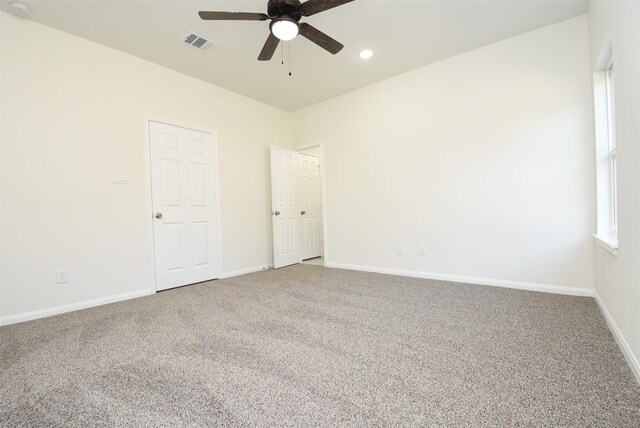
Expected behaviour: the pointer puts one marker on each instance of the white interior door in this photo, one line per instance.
(183, 188)
(284, 207)
(310, 206)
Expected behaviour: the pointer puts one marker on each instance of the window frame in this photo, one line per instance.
(606, 157)
(611, 145)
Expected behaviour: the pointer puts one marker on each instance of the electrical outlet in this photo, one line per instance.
(61, 276)
(422, 250)
(258, 249)
(399, 249)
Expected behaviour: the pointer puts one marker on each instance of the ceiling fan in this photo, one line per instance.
(285, 16)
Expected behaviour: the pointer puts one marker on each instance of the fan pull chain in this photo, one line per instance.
(282, 53)
(289, 43)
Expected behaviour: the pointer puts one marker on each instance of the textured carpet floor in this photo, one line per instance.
(312, 346)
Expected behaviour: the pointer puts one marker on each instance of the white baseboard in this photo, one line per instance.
(244, 271)
(42, 313)
(622, 344)
(545, 288)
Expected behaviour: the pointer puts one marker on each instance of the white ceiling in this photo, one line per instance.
(405, 34)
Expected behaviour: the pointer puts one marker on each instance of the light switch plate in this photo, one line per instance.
(121, 177)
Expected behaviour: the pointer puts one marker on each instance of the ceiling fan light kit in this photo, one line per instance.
(285, 23)
(284, 29)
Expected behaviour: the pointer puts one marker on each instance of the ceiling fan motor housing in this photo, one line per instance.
(284, 8)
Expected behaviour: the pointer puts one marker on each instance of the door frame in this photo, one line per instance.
(148, 190)
(323, 197)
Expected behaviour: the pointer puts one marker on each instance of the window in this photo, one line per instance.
(611, 145)
(604, 98)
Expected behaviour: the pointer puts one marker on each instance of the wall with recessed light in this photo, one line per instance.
(485, 159)
(72, 113)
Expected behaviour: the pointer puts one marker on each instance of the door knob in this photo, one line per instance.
(303, 212)
(158, 215)
(276, 212)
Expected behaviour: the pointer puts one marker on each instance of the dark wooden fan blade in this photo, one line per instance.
(269, 48)
(311, 7)
(232, 16)
(320, 39)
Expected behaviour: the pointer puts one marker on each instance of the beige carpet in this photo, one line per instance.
(312, 346)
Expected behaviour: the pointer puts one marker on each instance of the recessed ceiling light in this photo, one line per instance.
(366, 53)
(19, 8)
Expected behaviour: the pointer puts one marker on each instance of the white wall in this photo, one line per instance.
(313, 151)
(485, 158)
(72, 113)
(617, 23)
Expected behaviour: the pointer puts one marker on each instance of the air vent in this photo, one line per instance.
(199, 42)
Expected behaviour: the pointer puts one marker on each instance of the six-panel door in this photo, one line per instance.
(284, 207)
(310, 206)
(184, 213)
